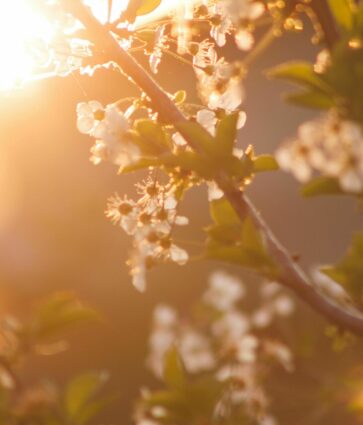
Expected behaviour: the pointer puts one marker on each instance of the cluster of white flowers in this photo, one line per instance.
(150, 222)
(219, 82)
(229, 346)
(224, 17)
(275, 304)
(109, 127)
(330, 146)
(237, 17)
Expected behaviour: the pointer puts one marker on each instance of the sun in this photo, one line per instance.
(20, 25)
(23, 26)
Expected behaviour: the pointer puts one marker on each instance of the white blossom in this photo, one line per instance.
(329, 145)
(279, 352)
(219, 82)
(283, 305)
(123, 211)
(164, 316)
(231, 326)
(246, 349)
(224, 291)
(196, 352)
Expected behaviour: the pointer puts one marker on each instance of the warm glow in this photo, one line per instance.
(100, 8)
(19, 26)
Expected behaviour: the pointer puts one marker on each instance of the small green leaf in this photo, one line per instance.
(227, 235)
(237, 255)
(180, 96)
(342, 12)
(171, 400)
(359, 18)
(222, 213)
(174, 374)
(311, 99)
(251, 237)
(202, 140)
(189, 161)
(153, 138)
(147, 6)
(226, 134)
(142, 164)
(80, 391)
(349, 270)
(264, 163)
(93, 408)
(321, 186)
(301, 73)
(236, 242)
(60, 311)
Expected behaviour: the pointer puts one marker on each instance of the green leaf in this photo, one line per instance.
(147, 6)
(301, 73)
(342, 12)
(203, 141)
(349, 271)
(244, 257)
(143, 163)
(236, 242)
(321, 186)
(187, 405)
(226, 134)
(60, 311)
(80, 391)
(189, 161)
(226, 235)
(222, 213)
(311, 99)
(359, 17)
(93, 408)
(174, 374)
(264, 163)
(153, 138)
(251, 237)
(180, 96)
(171, 400)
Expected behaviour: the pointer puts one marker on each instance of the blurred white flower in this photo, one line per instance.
(164, 316)
(224, 290)
(329, 145)
(246, 349)
(231, 326)
(196, 351)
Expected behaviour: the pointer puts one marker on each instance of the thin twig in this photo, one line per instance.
(178, 57)
(291, 275)
(261, 46)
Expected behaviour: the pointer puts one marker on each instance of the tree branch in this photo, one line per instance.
(291, 274)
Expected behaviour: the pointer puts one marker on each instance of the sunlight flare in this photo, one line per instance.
(20, 26)
(29, 42)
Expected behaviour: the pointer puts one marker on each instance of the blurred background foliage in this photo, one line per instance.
(54, 237)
